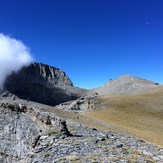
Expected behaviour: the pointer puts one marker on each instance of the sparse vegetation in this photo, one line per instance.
(139, 115)
(46, 154)
(68, 158)
(4, 154)
(53, 133)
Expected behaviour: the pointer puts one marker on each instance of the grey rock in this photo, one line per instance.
(42, 83)
(30, 135)
(63, 129)
(43, 137)
(83, 104)
(119, 145)
(35, 141)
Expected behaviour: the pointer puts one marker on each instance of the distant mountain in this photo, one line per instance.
(49, 85)
(42, 83)
(33, 132)
(126, 85)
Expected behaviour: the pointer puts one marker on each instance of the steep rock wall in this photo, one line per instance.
(42, 83)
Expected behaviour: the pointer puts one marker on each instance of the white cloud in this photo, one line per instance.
(13, 56)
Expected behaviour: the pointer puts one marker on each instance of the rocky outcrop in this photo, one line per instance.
(24, 140)
(42, 83)
(21, 127)
(29, 135)
(83, 104)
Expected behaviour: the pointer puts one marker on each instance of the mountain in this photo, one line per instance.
(42, 83)
(33, 132)
(126, 85)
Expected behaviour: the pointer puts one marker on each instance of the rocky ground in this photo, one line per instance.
(81, 105)
(30, 135)
(90, 145)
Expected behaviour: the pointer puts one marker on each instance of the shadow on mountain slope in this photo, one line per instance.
(42, 83)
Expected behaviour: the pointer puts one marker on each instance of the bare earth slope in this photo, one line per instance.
(126, 85)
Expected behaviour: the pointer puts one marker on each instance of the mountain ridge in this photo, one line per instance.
(34, 132)
(126, 85)
(42, 83)
(49, 85)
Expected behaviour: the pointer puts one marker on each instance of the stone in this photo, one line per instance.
(35, 141)
(48, 121)
(42, 83)
(63, 129)
(23, 108)
(94, 129)
(43, 137)
(112, 138)
(119, 145)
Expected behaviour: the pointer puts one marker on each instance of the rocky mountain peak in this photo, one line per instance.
(126, 85)
(50, 74)
(42, 83)
(126, 79)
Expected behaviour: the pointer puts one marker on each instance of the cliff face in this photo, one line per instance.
(42, 83)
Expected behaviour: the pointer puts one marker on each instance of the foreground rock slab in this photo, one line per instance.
(90, 145)
(29, 135)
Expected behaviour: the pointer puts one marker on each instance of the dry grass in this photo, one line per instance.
(75, 117)
(139, 115)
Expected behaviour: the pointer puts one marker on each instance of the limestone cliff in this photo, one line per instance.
(42, 83)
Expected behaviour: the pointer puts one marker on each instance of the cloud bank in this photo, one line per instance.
(13, 56)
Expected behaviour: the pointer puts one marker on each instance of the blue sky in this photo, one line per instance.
(91, 40)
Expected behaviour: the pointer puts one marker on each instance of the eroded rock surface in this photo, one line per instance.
(83, 104)
(21, 126)
(42, 83)
(29, 135)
